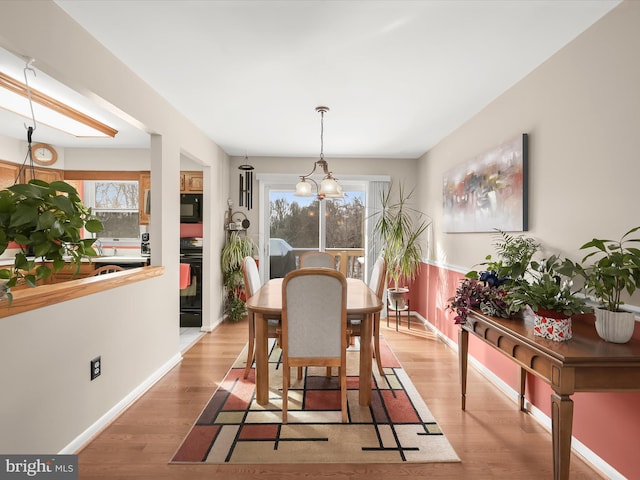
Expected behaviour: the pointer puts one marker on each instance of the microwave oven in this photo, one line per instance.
(190, 208)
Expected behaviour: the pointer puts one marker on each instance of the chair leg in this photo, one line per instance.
(252, 341)
(286, 374)
(329, 373)
(342, 371)
(376, 342)
(299, 373)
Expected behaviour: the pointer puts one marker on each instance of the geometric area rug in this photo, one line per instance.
(397, 427)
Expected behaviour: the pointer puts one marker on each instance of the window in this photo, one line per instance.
(115, 203)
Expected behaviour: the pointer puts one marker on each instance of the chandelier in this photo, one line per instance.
(329, 187)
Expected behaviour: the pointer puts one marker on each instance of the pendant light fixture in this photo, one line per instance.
(329, 187)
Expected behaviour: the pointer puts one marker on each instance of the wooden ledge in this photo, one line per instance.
(28, 299)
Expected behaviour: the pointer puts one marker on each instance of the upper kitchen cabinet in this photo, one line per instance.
(144, 187)
(45, 174)
(191, 182)
(8, 174)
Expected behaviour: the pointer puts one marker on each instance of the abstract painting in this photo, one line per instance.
(488, 192)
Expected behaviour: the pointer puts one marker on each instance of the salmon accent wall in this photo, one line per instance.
(606, 423)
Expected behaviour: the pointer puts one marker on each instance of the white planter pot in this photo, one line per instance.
(615, 327)
(397, 300)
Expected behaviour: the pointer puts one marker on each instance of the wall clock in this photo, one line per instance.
(44, 154)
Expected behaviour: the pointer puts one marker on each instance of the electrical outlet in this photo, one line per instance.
(96, 367)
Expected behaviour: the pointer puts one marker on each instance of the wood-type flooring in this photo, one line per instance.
(493, 438)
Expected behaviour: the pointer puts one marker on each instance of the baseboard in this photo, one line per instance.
(82, 439)
(576, 445)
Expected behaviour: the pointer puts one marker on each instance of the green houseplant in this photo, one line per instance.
(46, 220)
(615, 269)
(400, 228)
(547, 293)
(238, 247)
(487, 289)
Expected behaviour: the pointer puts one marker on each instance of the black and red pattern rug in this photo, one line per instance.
(397, 426)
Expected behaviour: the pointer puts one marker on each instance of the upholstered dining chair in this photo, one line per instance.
(252, 284)
(317, 259)
(376, 283)
(314, 323)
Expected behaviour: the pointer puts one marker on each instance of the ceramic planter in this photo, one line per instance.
(397, 298)
(614, 327)
(556, 329)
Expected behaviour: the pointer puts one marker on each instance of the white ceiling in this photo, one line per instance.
(398, 76)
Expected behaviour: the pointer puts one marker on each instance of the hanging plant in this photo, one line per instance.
(46, 221)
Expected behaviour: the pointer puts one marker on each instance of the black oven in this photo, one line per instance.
(191, 297)
(190, 208)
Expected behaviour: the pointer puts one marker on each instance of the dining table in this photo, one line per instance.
(267, 303)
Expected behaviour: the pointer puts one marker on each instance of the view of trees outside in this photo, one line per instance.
(116, 205)
(296, 220)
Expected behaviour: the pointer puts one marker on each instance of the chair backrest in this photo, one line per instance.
(376, 282)
(314, 313)
(317, 259)
(107, 269)
(251, 275)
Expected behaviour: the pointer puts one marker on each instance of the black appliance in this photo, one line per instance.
(145, 245)
(191, 297)
(190, 208)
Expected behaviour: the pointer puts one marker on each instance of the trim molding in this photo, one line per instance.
(81, 440)
(577, 447)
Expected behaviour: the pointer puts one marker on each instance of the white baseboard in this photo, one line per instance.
(576, 445)
(103, 421)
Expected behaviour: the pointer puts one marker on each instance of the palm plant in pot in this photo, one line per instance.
(46, 221)
(615, 269)
(400, 227)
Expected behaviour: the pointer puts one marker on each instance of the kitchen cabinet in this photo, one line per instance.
(191, 182)
(45, 174)
(8, 173)
(144, 188)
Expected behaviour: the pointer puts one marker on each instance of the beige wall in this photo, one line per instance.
(582, 110)
(48, 400)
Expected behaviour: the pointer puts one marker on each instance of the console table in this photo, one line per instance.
(583, 364)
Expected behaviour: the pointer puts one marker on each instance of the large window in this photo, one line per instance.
(115, 203)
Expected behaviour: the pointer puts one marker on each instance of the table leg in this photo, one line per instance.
(523, 385)
(463, 349)
(561, 427)
(262, 360)
(365, 359)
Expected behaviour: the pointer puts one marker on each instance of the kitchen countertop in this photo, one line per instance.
(113, 259)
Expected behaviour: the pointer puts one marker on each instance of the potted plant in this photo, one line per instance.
(615, 270)
(549, 296)
(400, 228)
(487, 289)
(46, 220)
(238, 247)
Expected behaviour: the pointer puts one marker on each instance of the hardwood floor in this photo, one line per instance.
(493, 438)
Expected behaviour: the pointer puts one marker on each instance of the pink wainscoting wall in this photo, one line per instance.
(606, 423)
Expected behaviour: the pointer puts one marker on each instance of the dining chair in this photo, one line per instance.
(376, 283)
(252, 284)
(314, 327)
(317, 259)
(106, 269)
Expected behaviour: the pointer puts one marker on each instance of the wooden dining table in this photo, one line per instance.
(267, 303)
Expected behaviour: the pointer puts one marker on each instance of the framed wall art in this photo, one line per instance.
(489, 192)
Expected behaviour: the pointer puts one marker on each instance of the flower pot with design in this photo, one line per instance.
(614, 327)
(552, 325)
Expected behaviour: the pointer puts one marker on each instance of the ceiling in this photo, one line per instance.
(398, 76)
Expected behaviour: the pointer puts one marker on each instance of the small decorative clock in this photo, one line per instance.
(44, 154)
